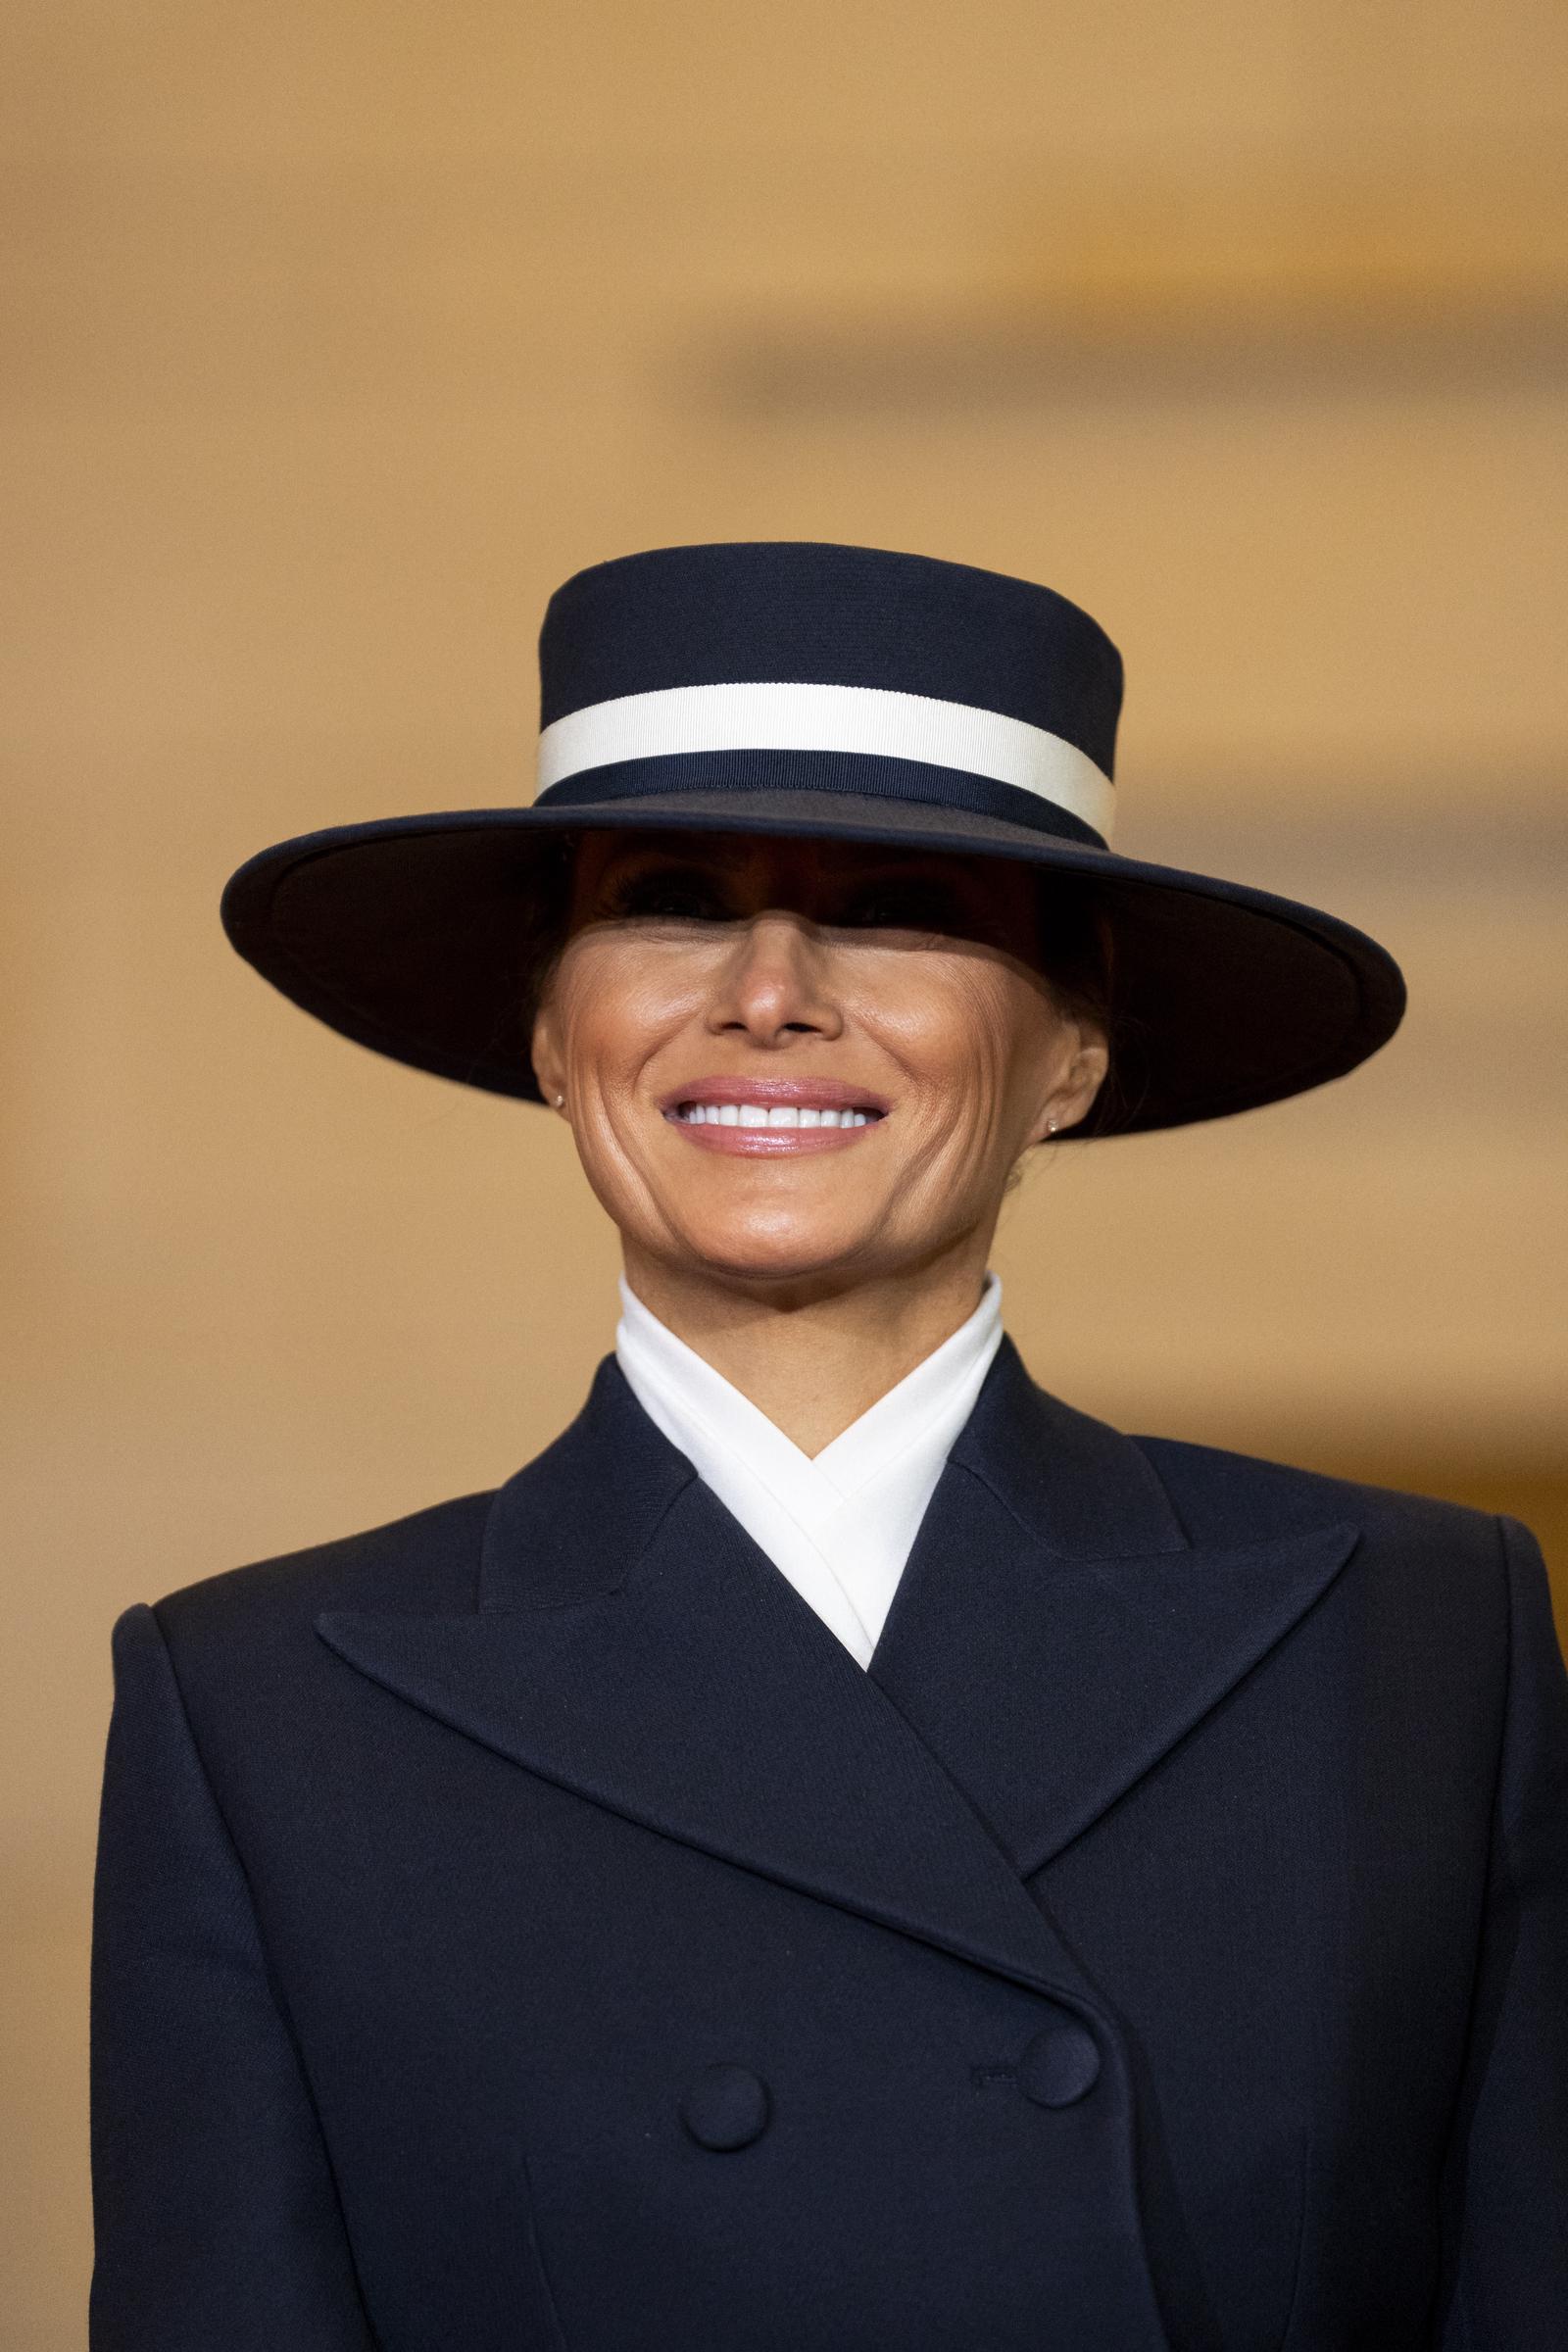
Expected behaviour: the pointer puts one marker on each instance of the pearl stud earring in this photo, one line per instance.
(561, 1102)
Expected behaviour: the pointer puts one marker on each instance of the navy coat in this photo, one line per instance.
(523, 1927)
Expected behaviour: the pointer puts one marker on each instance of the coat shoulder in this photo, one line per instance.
(1229, 1498)
(424, 1562)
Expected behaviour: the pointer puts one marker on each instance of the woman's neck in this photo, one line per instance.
(812, 1358)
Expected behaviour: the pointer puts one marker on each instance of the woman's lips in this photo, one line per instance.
(772, 1118)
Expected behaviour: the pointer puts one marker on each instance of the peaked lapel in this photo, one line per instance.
(1055, 1634)
(631, 1642)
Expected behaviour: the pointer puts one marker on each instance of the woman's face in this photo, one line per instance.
(785, 1059)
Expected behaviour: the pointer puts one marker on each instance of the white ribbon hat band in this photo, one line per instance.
(874, 719)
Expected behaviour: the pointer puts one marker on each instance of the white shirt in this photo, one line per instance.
(839, 1525)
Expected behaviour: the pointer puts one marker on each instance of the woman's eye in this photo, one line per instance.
(903, 907)
(679, 898)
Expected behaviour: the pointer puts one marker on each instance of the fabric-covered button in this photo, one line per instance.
(727, 2107)
(1059, 2064)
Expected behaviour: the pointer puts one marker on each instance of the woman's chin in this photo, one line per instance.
(782, 1253)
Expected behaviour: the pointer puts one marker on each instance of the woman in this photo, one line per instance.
(844, 1850)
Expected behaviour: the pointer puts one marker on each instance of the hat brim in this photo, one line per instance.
(412, 936)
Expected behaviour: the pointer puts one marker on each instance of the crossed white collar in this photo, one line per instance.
(839, 1525)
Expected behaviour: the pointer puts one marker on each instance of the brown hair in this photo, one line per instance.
(1077, 958)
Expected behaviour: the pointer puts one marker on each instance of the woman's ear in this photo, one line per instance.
(1072, 1097)
(549, 1066)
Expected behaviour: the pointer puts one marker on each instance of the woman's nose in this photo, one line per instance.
(775, 980)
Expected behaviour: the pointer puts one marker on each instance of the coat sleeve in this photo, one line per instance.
(216, 2216)
(1506, 2177)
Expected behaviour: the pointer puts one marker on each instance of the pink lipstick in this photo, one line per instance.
(773, 1118)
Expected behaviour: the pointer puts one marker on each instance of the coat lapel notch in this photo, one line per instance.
(1055, 1633)
(633, 1645)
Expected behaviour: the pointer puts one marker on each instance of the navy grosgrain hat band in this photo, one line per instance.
(808, 735)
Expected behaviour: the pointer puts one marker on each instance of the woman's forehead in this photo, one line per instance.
(734, 851)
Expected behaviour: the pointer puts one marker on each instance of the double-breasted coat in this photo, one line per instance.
(523, 1927)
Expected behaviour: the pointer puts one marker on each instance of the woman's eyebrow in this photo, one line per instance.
(713, 852)
(901, 870)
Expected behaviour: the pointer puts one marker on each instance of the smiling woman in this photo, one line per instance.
(844, 1848)
(874, 1038)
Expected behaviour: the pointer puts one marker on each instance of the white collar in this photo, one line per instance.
(838, 1525)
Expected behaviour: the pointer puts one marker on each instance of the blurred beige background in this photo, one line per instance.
(336, 335)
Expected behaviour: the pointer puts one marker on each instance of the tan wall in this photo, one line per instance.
(335, 337)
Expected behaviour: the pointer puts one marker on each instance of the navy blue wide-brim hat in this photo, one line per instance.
(844, 694)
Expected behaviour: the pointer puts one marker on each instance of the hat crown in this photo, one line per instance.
(813, 613)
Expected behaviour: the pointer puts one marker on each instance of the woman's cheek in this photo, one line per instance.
(616, 1015)
(643, 1001)
(956, 1044)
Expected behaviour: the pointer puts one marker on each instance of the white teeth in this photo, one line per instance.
(769, 1114)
